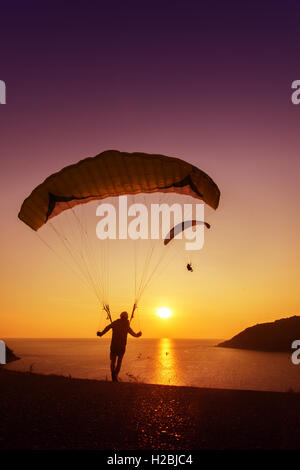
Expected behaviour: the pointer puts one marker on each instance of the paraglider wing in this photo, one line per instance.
(74, 192)
(114, 173)
(177, 229)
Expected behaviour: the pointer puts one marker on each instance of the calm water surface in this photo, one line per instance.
(161, 361)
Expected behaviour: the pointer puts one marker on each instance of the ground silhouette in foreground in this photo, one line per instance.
(51, 412)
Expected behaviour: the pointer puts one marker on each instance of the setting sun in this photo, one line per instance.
(164, 312)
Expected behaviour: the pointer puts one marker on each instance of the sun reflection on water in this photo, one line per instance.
(166, 368)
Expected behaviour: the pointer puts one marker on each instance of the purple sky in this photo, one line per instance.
(144, 76)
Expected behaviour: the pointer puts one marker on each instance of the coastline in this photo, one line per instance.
(45, 412)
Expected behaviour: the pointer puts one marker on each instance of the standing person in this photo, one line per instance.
(121, 328)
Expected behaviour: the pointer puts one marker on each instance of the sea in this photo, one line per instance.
(179, 362)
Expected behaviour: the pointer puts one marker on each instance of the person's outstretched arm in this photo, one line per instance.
(106, 329)
(136, 335)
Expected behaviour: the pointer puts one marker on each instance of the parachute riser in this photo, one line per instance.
(107, 310)
(132, 312)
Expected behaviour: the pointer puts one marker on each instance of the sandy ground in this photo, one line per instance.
(51, 412)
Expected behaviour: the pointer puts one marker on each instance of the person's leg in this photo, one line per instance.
(113, 358)
(118, 366)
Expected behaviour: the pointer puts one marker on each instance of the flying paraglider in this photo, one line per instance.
(179, 228)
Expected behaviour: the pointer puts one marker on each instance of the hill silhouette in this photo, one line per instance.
(274, 336)
(10, 356)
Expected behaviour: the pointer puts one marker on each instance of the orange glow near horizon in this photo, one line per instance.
(246, 273)
(240, 278)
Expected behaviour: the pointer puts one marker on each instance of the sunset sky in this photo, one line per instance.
(206, 82)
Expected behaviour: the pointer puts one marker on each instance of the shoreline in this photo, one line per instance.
(45, 412)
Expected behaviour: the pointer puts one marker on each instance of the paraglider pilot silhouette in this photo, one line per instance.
(120, 329)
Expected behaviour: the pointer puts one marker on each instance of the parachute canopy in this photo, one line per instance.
(177, 229)
(114, 173)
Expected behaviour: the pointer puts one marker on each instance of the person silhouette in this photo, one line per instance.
(120, 328)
